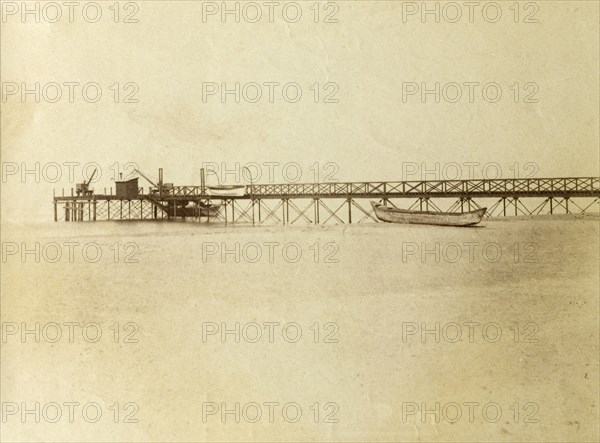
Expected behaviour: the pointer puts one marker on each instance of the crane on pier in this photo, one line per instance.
(156, 186)
(84, 188)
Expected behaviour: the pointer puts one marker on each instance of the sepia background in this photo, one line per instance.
(371, 292)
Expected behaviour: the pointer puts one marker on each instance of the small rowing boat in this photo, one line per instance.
(394, 215)
(226, 190)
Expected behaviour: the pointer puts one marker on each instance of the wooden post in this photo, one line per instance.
(55, 211)
(350, 210)
(160, 181)
(95, 209)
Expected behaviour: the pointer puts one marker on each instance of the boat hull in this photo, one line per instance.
(403, 216)
(193, 211)
(226, 191)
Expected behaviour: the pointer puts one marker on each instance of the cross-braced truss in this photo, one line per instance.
(340, 203)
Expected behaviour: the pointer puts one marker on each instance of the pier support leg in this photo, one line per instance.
(55, 211)
(349, 211)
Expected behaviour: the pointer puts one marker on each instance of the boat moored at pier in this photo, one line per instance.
(404, 216)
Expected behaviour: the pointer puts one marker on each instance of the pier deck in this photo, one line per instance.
(335, 202)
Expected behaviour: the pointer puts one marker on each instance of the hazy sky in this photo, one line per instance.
(369, 62)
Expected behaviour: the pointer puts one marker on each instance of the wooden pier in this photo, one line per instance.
(335, 202)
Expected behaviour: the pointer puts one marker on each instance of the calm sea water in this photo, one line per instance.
(356, 294)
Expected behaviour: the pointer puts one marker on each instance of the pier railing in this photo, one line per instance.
(493, 187)
(287, 202)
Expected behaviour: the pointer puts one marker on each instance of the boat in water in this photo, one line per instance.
(226, 190)
(186, 209)
(394, 215)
